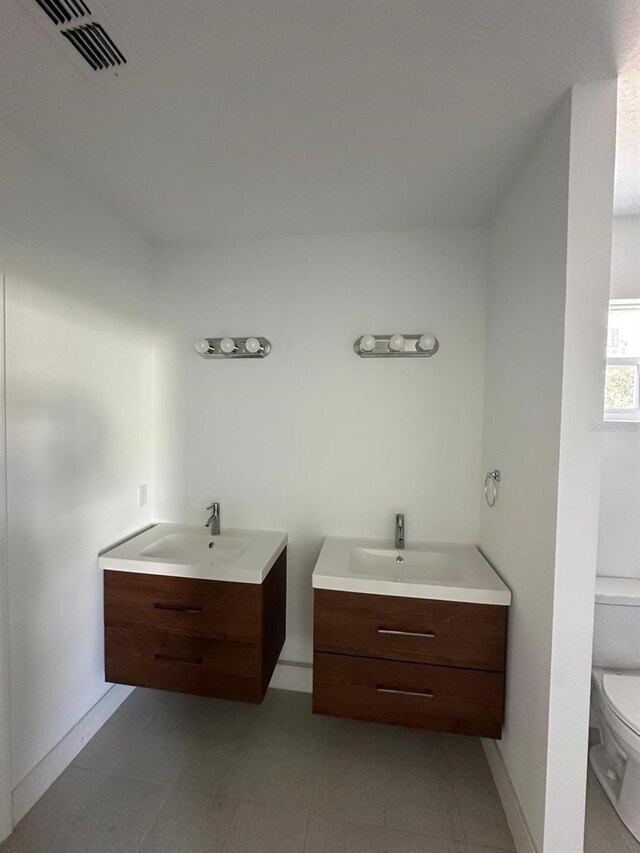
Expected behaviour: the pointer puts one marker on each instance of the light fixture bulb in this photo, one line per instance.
(252, 345)
(202, 346)
(367, 343)
(227, 345)
(426, 343)
(396, 343)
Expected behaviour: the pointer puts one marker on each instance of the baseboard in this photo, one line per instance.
(522, 837)
(27, 793)
(289, 675)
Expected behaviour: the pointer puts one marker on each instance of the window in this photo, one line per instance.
(622, 389)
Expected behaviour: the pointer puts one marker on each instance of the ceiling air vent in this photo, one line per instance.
(95, 45)
(85, 32)
(64, 11)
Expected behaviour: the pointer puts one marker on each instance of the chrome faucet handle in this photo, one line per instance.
(399, 531)
(213, 522)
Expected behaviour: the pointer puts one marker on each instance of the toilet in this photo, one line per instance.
(615, 695)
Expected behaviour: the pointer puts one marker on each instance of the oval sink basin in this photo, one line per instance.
(179, 550)
(197, 547)
(406, 565)
(438, 571)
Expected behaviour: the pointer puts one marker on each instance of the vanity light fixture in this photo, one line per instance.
(426, 343)
(228, 345)
(396, 346)
(251, 347)
(396, 343)
(367, 343)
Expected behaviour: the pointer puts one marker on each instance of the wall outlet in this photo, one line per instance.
(143, 495)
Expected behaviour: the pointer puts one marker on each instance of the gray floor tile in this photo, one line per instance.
(143, 701)
(349, 780)
(190, 822)
(408, 842)
(257, 828)
(273, 768)
(159, 844)
(182, 713)
(107, 748)
(288, 705)
(207, 761)
(117, 819)
(288, 712)
(328, 835)
(419, 795)
(483, 819)
(474, 848)
(224, 771)
(49, 820)
(412, 748)
(155, 757)
(347, 739)
(349, 787)
(427, 806)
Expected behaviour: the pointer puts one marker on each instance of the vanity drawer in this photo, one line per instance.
(197, 608)
(447, 633)
(191, 664)
(440, 698)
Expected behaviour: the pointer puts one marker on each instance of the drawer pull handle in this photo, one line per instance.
(174, 659)
(427, 694)
(428, 634)
(179, 608)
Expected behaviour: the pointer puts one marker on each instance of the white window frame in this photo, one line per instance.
(625, 414)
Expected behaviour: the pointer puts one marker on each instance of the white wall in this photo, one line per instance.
(625, 258)
(521, 437)
(619, 536)
(6, 823)
(591, 182)
(313, 439)
(78, 424)
(544, 379)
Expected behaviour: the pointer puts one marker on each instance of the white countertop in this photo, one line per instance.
(440, 571)
(179, 550)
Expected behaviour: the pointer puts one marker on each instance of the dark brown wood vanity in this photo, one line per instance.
(207, 637)
(415, 662)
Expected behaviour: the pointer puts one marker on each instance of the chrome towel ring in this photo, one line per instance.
(491, 487)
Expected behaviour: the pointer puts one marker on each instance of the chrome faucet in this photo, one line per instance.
(399, 530)
(213, 522)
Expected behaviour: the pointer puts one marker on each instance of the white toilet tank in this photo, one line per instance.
(616, 635)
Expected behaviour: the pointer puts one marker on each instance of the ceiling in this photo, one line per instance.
(243, 117)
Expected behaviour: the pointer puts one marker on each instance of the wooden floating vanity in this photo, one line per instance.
(406, 658)
(189, 629)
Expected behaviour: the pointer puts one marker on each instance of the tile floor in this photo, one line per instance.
(181, 774)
